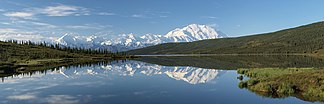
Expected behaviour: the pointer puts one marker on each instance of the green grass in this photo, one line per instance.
(304, 83)
(271, 72)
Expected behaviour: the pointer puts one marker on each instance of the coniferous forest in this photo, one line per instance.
(13, 52)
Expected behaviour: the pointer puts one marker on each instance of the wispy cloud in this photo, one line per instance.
(53, 11)
(44, 25)
(51, 99)
(34, 25)
(22, 97)
(139, 16)
(88, 26)
(81, 27)
(63, 10)
(18, 26)
(107, 14)
(209, 17)
(34, 19)
(5, 23)
(25, 36)
(62, 99)
(8, 30)
(214, 25)
(25, 15)
(163, 16)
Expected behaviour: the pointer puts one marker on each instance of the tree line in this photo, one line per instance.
(64, 48)
(24, 50)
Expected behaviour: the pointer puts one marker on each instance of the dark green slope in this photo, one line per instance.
(304, 39)
(13, 51)
(13, 54)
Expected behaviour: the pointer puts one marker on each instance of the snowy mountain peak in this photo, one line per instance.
(193, 32)
(64, 38)
(195, 26)
(131, 36)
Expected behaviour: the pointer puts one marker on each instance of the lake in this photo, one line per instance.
(152, 80)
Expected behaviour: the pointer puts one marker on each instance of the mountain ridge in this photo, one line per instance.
(124, 42)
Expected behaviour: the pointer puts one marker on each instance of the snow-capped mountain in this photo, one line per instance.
(193, 32)
(124, 42)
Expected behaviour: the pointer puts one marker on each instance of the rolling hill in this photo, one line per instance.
(307, 39)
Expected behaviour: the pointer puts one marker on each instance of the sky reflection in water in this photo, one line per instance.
(130, 82)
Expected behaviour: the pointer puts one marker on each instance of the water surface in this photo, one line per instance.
(133, 82)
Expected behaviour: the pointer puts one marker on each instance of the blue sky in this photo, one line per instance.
(85, 17)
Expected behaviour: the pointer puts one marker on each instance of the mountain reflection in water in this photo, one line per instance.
(192, 75)
(136, 81)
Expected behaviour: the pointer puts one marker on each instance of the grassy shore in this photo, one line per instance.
(304, 83)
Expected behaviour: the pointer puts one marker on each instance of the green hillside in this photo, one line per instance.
(308, 39)
(13, 50)
(27, 54)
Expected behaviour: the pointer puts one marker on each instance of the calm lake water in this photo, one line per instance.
(132, 82)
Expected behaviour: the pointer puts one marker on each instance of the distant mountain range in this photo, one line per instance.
(307, 39)
(124, 42)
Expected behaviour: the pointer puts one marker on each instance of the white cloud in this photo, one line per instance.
(81, 27)
(88, 26)
(138, 16)
(30, 25)
(5, 23)
(63, 10)
(62, 99)
(58, 10)
(44, 25)
(2, 10)
(19, 14)
(106, 14)
(25, 36)
(52, 99)
(8, 30)
(22, 97)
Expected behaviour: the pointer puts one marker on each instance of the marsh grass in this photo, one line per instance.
(304, 83)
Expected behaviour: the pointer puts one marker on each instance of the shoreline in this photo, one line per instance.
(26, 66)
(186, 55)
